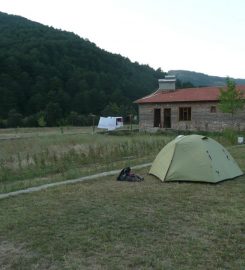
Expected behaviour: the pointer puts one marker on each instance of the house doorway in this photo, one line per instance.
(157, 117)
(167, 118)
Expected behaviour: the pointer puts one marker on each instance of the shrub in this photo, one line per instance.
(230, 135)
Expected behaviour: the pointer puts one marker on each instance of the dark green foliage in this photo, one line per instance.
(14, 118)
(40, 66)
(180, 84)
(54, 114)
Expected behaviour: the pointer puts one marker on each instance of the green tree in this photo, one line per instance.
(36, 103)
(231, 99)
(72, 118)
(54, 114)
(111, 109)
(41, 120)
(30, 121)
(14, 118)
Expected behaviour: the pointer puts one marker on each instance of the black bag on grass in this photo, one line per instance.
(126, 175)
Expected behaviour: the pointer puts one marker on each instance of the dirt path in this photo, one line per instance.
(66, 182)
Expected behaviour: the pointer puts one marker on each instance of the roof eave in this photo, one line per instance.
(179, 101)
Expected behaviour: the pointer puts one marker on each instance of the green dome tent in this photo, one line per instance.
(194, 158)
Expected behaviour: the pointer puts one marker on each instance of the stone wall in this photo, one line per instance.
(202, 118)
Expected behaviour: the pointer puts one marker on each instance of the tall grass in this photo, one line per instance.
(45, 156)
(57, 156)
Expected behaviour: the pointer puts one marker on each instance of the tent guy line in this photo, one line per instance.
(67, 182)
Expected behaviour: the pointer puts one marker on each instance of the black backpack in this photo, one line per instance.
(123, 174)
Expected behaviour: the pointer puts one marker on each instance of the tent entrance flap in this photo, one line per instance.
(162, 162)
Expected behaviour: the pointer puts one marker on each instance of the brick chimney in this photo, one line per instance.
(167, 84)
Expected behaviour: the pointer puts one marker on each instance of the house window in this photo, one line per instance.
(185, 114)
(213, 109)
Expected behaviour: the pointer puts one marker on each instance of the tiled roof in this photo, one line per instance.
(185, 95)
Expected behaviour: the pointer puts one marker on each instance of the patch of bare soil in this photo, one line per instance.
(16, 256)
(8, 253)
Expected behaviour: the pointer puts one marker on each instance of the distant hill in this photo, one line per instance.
(201, 79)
(49, 76)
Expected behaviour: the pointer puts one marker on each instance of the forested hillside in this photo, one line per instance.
(201, 79)
(50, 77)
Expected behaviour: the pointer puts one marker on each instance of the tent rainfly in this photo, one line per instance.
(194, 158)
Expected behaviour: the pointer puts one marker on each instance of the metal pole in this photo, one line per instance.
(130, 117)
(93, 123)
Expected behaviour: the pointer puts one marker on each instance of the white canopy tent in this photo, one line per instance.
(110, 123)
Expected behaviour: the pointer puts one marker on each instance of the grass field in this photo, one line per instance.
(52, 156)
(105, 224)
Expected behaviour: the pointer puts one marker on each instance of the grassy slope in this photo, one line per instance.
(106, 224)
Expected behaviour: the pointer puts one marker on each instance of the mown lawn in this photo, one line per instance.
(105, 224)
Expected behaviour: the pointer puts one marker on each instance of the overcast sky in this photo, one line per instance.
(199, 35)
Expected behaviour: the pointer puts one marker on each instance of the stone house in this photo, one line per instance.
(186, 109)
